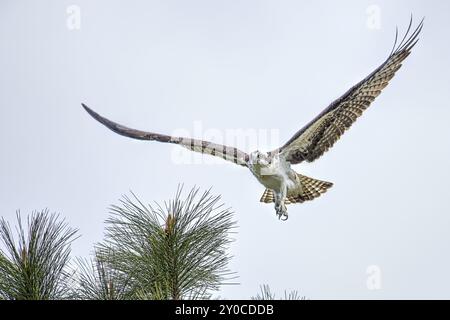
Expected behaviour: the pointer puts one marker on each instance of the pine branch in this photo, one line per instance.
(266, 294)
(177, 251)
(33, 264)
(97, 280)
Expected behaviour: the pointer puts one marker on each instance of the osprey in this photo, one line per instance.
(273, 169)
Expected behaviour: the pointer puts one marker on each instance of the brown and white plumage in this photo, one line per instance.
(227, 153)
(311, 189)
(319, 135)
(273, 169)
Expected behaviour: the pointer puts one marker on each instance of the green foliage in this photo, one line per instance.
(178, 251)
(34, 266)
(266, 294)
(97, 280)
(175, 251)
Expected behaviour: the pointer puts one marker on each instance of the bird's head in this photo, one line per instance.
(259, 158)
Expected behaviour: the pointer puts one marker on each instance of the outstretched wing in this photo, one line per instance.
(313, 140)
(227, 153)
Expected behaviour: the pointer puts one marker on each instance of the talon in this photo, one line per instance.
(281, 213)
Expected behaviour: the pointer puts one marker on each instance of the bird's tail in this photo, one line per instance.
(309, 189)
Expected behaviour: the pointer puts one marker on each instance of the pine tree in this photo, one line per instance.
(34, 262)
(175, 251)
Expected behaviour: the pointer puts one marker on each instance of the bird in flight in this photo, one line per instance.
(273, 169)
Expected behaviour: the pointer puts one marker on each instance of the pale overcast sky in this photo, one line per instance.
(208, 68)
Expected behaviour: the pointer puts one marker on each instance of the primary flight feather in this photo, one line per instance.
(273, 169)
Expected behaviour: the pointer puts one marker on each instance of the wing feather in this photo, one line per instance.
(319, 135)
(227, 153)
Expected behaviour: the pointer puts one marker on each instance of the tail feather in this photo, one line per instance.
(268, 196)
(309, 189)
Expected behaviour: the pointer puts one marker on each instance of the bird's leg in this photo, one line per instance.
(280, 206)
(281, 211)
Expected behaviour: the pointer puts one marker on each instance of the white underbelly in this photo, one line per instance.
(272, 182)
(278, 176)
(277, 181)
